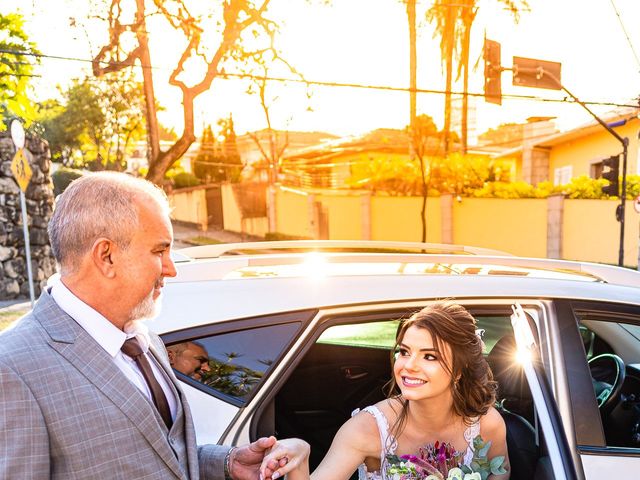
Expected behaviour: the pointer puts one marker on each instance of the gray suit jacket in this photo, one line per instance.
(68, 412)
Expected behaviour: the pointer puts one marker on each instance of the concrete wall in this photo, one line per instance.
(344, 219)
(189, 205)
(514, 226)
(555, 227)
(292, 212)
(234, 221)
(399, 218)
(591, 232)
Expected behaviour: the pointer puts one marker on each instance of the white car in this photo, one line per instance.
(299, 338)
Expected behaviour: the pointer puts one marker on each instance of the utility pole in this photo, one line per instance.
(532, 72)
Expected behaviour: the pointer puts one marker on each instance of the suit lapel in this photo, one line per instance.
(183, 414)
(83, 352)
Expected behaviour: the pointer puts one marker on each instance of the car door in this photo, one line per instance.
(242, 355)
(342, 361)
(557, 460)
(606, 439)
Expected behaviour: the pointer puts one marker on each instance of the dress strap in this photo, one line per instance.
(387, 441)
(470, 434)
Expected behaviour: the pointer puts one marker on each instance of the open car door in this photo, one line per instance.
(558, 461)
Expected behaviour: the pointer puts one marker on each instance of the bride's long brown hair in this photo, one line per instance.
(472, 385)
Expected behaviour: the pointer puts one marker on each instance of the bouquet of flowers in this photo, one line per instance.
(440, 461)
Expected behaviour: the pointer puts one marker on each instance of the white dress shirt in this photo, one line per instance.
(111, 339)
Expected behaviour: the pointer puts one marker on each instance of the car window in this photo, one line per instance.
(383, 334)
(372, 334)
(233, 363)
(604, 340)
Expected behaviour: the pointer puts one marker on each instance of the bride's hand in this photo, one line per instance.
(289, 454)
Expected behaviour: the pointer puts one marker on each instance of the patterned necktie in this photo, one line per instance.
(132, 349)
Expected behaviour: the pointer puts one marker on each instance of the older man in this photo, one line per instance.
(85, 390)
(190, 358)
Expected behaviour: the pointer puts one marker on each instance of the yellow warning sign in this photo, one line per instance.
(21, 169)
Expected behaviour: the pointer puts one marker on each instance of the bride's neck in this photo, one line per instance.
(431, 415)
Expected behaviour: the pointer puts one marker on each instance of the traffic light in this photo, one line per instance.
(492, 72)
(613, 163)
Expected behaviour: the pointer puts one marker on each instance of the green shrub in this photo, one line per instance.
(582, 187)
(185, 179)
(62, 177)
(277, 236)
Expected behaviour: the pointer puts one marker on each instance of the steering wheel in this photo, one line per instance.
(607, 373)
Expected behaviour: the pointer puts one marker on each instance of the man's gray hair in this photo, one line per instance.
(98, 205)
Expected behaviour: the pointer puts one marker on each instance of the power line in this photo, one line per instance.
(633, 50)
(319, 83)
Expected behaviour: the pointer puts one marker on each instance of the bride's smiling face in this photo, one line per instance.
(419, 368)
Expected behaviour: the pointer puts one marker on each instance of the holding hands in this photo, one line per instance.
(288, 456)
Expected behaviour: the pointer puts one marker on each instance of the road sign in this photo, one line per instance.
(17, 134)
(531, 72)
(21, 169)
(636, 204)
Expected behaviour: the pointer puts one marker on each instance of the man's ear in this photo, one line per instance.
(101, 254)
(172, 357)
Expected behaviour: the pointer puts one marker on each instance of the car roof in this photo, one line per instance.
(208, 290)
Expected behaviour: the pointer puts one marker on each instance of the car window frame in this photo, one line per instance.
(302, 317)
(378, 312)
(547, 410)
(582, 389)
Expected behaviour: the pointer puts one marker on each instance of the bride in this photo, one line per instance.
(442, 390)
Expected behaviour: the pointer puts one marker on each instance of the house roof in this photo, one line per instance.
(384, 140)
(615, 118)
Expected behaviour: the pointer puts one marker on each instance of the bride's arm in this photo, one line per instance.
(492, 427)
(356, 440)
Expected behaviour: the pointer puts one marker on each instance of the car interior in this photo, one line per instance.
(332, 380)
(615, 375)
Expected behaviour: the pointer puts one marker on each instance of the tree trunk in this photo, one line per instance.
(413, 85)
(413, 67)
(163, 162)
(466, 41)
(147, 76)
(449, 31)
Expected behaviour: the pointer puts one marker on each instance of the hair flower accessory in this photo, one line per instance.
(480, 335)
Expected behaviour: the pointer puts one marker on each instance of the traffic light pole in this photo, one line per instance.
(620, 213)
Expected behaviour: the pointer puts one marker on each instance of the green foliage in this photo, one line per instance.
(98, 124)
(457, 174)
(277, 236)
(62, 177)
(185, 179)
(218, 161)
(481, 463)
(16, 70)
(231, 379)
(206, 165)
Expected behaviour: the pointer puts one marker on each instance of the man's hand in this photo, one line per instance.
(245, 461)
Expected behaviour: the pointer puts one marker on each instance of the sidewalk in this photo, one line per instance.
(15, 304)
(183, 233)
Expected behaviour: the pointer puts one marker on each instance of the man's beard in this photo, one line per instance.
(147, 308)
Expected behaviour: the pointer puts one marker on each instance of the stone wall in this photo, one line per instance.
(39, 199)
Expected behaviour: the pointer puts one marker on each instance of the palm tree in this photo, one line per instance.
(453, 26)
(444, 14)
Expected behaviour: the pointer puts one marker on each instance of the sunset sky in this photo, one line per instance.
(366, 42)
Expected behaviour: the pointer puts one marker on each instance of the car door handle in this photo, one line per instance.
(354, 372)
